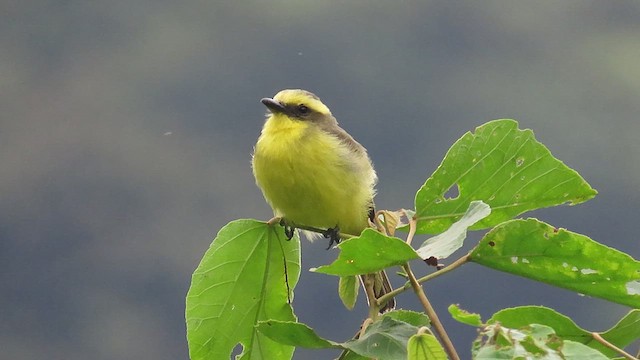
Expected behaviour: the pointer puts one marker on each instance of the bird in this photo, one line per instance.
(314, 174)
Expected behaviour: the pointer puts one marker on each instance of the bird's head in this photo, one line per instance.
(297, 104)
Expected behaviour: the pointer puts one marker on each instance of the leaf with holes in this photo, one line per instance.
(626, 331)
(244, 277)
(531, 342)
(536, 250)
(503, 166)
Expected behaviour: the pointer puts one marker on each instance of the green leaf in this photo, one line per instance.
(523, 316)
(368, 253)
(425, 347)
(559, 257)
(494, 353)
(446, 243)
(294, 334)
(348, 287)
(576, 351)
(503, 166)
(240, 281)
(384, 340)
(563, 326)
(626, 331)
(534, 341)
(414, 318)
(464, 316)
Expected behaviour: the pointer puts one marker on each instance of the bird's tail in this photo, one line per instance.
(381, 286)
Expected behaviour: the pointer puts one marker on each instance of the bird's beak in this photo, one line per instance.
(274, 106)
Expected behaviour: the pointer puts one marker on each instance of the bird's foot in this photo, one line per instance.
(333, 234)
(288, 229)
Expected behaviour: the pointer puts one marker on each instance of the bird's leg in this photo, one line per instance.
(288, 230)
(333, 234)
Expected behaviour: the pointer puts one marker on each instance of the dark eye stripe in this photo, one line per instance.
(303, 109)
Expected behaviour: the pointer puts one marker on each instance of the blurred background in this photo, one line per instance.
(126, 130)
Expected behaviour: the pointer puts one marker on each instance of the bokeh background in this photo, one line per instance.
(126, 129)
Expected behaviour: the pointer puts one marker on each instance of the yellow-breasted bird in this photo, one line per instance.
(314, 173)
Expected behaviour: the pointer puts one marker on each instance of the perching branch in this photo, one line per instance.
(279, 220)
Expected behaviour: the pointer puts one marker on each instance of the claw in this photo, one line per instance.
(333, 234)
(288, 230)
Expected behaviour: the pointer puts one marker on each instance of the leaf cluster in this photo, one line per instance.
(241, 292)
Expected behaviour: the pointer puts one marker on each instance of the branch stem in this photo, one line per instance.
(461, 261)
(386, 297)
(374, 308)
(604, 342)
(431, 313)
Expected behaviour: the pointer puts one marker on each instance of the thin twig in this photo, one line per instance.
(369, 283)
(431, 313)
(391, 294)
(604, 342)
(461, 261)
(413, 225)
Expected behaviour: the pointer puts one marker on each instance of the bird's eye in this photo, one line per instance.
(302, 109)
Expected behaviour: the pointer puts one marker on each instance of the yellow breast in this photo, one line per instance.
(310, 177)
